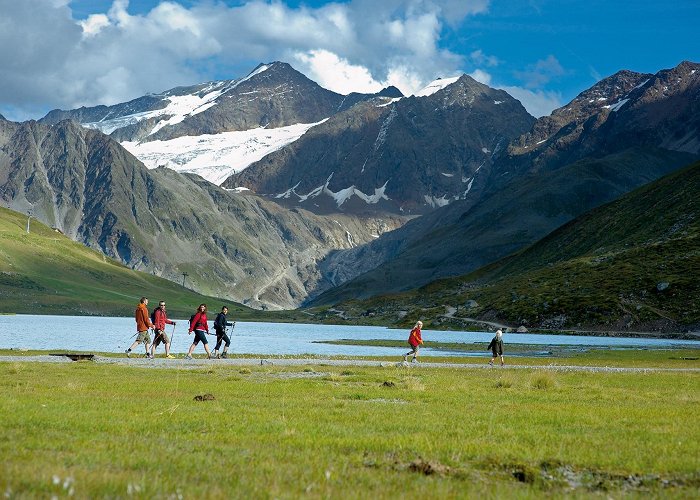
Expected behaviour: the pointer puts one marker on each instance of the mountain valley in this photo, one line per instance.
(277, 193)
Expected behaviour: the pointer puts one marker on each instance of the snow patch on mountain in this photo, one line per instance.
(178, 107)
(434, 202)
(340, 197)
(381, 136)
(436, 86)
(216, 156)
(617, 105)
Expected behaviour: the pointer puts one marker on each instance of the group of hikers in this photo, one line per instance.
(415, 340)
(157, 320)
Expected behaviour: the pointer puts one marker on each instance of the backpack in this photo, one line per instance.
(192, 319)
(153, 316)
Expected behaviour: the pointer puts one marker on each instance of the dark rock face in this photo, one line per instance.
(413, 154)
(590, 155)
(624, 110)
(234, 246)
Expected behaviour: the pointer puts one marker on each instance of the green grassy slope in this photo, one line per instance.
(44, 272)
(632, 264)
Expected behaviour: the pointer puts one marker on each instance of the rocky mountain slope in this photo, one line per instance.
(595, 157)
(408, 155)
(628, 265)
(86, 185)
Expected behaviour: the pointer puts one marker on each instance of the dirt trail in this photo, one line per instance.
(181, 363)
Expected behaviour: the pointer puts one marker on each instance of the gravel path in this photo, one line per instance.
(198, 363)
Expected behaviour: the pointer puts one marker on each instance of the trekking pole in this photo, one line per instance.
(160, 334)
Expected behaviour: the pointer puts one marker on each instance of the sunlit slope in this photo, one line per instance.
(44, 272)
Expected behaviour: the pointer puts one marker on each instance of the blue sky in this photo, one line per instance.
(65, 54)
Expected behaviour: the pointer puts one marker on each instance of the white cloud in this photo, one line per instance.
(481, 76)
(334, 73)
(94, 24)
(50, 59)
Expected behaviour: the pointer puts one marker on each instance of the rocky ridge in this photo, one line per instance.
(407, 155)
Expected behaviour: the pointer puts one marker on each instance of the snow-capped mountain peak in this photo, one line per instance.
(436, 86)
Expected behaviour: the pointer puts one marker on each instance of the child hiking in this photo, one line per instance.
(160, 319)
(414, 340)
(143, 323)
(496, 347)
(220, 325)
(199, 326)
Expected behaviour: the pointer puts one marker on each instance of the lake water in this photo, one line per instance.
(100, 334)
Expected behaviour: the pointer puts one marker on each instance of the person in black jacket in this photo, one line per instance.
(496, 347)
(220, 325)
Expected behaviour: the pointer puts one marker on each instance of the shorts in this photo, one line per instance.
(160, 338)
(200, 336)
(144, 337)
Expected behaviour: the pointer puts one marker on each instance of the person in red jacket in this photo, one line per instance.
(414, 340)
(160, 318)
(199, 326)
(143, 323)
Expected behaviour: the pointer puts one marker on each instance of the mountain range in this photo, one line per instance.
(627, 130)
(235, 121)
(315, 210)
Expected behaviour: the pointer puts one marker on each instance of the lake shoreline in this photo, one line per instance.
(662, 335)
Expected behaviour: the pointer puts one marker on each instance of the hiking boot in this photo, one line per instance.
(414, 360)
(170, 356)
(490, 363)
(188, 357)
(224, 355)
(128, 353)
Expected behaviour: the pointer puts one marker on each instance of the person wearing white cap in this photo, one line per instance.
(496, 347)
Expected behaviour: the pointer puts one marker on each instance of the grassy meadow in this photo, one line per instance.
(44, 272)
(86, 429)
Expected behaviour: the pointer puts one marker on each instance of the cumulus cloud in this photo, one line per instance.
(54, 60)
(51, 59)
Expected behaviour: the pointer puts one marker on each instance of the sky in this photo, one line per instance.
(71, 53)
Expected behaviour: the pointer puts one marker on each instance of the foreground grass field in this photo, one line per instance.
(90, 430)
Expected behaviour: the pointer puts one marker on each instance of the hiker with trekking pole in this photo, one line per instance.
(143, 324)
(160, 318)
(198, 325)
(220, 325)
